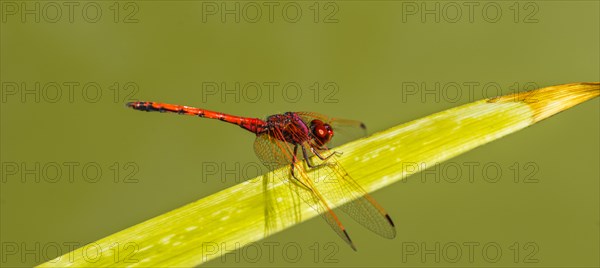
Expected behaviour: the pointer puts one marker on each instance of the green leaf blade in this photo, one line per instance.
(227, 220)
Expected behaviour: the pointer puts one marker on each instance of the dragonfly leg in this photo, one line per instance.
(314, 151)
(296, 180)
(320, 148)
(294, 160)
(311, 165)
(325, 149)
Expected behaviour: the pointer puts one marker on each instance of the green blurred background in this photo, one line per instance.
(543, 209)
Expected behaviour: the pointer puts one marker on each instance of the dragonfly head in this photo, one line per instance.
(321, 131)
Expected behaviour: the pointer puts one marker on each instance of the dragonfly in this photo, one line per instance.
(291, 138)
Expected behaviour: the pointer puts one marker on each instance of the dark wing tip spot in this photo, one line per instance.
(387, 216)
(363, 126)
(349, 240)
(392, 233)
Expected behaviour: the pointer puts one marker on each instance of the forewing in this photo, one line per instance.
(337, 184)
(306, 190)
(276, 153)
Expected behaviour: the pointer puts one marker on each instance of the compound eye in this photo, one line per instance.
(321, 131)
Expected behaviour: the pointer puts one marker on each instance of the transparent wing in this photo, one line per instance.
(272, 152)
(308, 193)
(337, 184)
(276, 153)
(282, 205)
(278, 201)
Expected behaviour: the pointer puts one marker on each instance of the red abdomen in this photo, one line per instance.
(253, 125)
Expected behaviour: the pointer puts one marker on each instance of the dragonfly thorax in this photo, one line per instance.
(294, 130)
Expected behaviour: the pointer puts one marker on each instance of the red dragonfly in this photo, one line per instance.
(295, 137)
